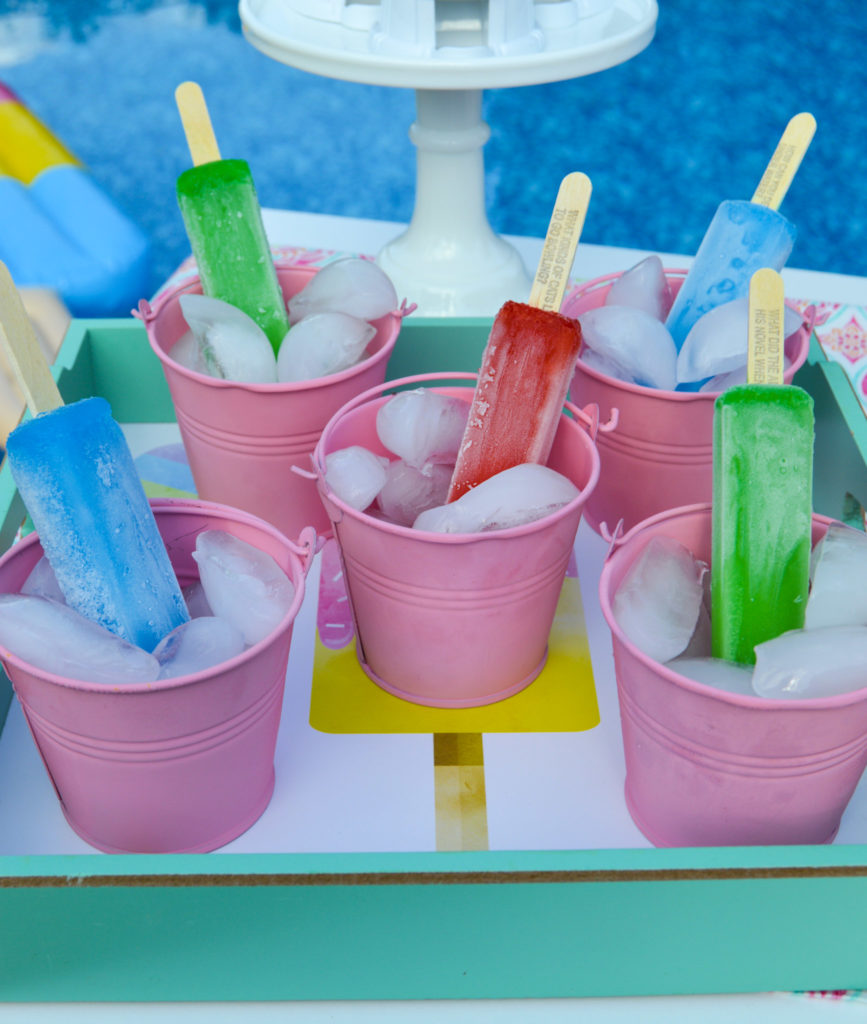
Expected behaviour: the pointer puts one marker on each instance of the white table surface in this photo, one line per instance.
(365, 236)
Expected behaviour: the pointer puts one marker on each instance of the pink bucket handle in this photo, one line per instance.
(145, 312)
(613, 540)
(308, 545)
(589, 416)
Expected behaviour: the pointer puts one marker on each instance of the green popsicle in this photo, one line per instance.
(762, 491)
(223, 219)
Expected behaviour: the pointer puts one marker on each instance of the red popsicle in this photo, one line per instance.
(528, 361)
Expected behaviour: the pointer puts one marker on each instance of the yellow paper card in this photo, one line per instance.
(562, 699)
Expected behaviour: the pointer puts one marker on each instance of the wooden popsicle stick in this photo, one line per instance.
(21, 345)
(561, 240)
(786, 160)
(201, 140)
(766, 333)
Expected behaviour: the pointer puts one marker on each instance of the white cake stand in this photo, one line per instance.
(449, 260)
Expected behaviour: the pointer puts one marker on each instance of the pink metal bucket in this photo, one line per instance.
(661, 455)
(179, 765)
(242, 440)
(453, 620)
(705, 767)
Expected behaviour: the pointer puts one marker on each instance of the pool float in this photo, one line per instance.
(59, 229)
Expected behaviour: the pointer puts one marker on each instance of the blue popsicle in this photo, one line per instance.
(742, 238)
(76, 476)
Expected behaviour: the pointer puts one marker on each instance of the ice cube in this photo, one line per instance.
(643, 286)
(351, 285)
(838, 579)
(407, 491)
(355, 474)
(422, 426)
(197, 603)
(321, 344)
(716, 672)
(197, 645)
(233, 346)
(717, 344)
(600, 363)
(812, 663)
(243, 584)
(43, 583)
(187, 353)
(516, 496)
(700, 643)
(658, 601)
(638, 344)
(56, 639)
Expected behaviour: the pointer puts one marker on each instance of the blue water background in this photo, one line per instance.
(664, 137)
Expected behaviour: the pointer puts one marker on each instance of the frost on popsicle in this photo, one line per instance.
(352, 285)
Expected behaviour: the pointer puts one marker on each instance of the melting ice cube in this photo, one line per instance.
(516, 496)
(643, 286)
(57, 639)
(243, 585)
(186, 352)
(355, 474)
(838, 579)
(351, 285)
(42, 582)
(638, 344)
(812, 663)
(407, 491)
(658, 601)
(321, 344)
(232, 345)
(197, 603)
(197, 645)
(717, 344)
(422, 426)
(716, 672)
(600, 363)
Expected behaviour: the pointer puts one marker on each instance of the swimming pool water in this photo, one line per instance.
(664, 137)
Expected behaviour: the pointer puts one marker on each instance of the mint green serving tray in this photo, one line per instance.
(427, 925)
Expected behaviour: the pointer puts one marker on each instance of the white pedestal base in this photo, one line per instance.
(449, 260)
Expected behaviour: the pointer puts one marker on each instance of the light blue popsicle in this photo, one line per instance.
(742, 238)
(77, 478)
